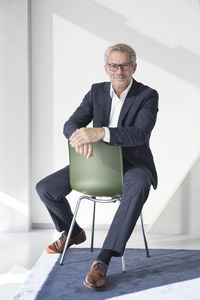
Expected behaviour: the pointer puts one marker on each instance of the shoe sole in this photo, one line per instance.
(100, 288)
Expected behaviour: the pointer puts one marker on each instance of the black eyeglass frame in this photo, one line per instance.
(124, 67)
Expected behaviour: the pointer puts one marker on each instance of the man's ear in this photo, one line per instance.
(106, 68)
(134, 68)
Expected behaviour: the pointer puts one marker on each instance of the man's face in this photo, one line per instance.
(120, 78)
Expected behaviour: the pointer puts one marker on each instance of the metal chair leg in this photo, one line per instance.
(70, 230)
(93, 224)
(123, 264)
(123, 257)
(144, 236)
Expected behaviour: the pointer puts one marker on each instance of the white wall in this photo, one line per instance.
(68, 43)
(180, 214)
(14, 116)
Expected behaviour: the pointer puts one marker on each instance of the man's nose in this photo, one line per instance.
(119, 70)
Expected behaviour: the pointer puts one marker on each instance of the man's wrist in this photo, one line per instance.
(103, 133)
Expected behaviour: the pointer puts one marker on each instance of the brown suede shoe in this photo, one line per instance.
(96, 278)
(58, 246)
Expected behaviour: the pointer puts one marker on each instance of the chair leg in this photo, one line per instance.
(123, 257)
(93, 224)
(144, 236)
(70, 230)
(123, 264)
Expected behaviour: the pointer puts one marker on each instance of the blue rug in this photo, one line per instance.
(49, 280)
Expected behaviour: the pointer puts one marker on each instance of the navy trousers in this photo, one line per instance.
(54, 188)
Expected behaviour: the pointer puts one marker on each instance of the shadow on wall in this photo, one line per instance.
(111, 26)
(183, 207)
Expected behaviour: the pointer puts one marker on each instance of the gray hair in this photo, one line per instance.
(121, 48)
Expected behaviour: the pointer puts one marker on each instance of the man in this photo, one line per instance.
(124, 113)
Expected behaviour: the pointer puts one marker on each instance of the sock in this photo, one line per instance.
(105, 256)
(76, 230)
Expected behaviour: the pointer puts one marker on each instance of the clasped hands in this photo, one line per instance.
(82, 140)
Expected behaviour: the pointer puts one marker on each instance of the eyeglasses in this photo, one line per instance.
(115, 67)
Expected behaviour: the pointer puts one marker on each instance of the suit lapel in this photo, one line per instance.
(107, 105)
(129, 101)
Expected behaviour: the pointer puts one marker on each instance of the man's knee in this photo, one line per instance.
(41, 188)
(55, 186)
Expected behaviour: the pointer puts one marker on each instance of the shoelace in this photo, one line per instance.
(100, 265)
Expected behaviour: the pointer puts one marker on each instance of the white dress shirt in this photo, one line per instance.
(116, 107)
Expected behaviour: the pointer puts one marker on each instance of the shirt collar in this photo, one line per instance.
(124, 94)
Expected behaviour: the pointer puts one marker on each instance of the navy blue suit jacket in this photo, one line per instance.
(136, 121)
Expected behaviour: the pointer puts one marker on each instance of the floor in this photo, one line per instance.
(20, 251)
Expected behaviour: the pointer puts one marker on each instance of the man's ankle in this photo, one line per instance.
(105, 256)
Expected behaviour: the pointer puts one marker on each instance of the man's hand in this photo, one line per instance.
(84, 136)
(85, 150)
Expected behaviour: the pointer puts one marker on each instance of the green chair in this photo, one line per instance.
(100, 179)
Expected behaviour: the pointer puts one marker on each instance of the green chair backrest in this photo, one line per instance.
(101, 174)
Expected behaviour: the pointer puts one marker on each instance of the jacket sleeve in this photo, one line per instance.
(82, 116)
(139, 133)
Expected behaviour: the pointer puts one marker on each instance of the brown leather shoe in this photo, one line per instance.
(58, 246)
(96, 278)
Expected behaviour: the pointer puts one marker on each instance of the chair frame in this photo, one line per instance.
(99, 200)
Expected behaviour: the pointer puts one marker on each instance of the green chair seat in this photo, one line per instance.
(101, 174)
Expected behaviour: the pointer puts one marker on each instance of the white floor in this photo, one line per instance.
(20, 251)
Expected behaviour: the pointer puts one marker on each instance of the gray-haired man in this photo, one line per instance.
(126, 115)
